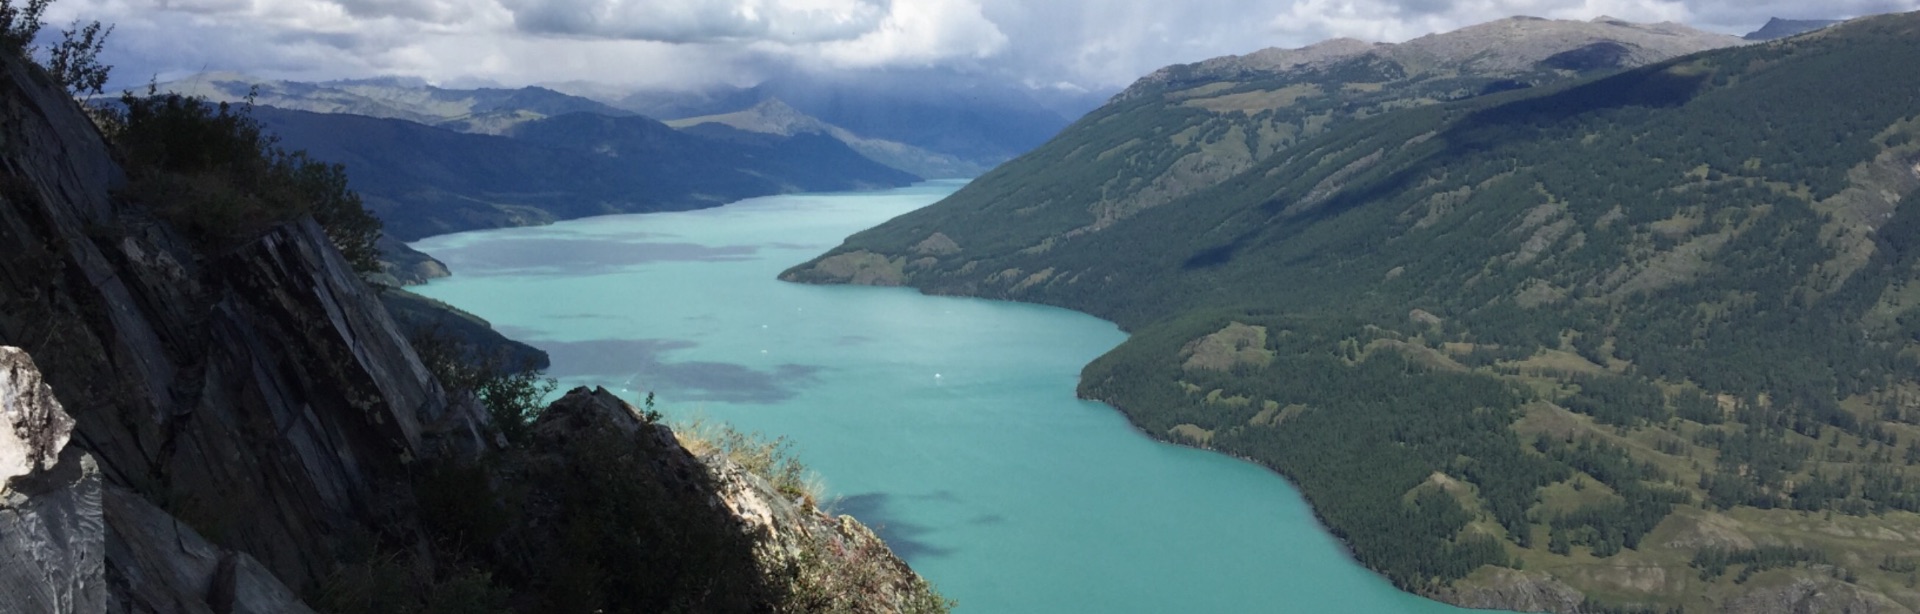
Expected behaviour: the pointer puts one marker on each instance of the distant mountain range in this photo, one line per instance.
(424, 180)
(1539, 315)
(481, 111)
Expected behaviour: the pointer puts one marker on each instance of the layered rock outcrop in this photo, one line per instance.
(262, 393)
(229, 429)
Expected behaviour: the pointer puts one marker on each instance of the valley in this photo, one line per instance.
(1568, 313)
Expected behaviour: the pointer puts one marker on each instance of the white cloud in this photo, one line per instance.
(1087, 43)
(920, 32)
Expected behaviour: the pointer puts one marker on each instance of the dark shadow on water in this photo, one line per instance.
(582, 316)
(988, 519)
(517, 333)
(638, 364)
(905, 538)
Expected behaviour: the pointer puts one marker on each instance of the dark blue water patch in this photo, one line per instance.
(579, 255)
(852, 340)
(905, 538)
(575, 230)
(517, 333)
(583, 316)
(987, 519)
(638, 364)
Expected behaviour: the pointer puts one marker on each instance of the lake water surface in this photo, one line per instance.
(949, 425)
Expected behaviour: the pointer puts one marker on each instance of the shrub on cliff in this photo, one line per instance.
(74, 60)
(213, 171)
(511, 391)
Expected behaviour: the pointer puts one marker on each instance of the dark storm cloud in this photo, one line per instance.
(698, 21)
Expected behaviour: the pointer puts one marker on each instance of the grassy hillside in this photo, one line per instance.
(1648, 337)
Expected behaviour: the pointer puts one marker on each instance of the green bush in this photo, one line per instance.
(212, 170)
(511, 392)
(20, 24)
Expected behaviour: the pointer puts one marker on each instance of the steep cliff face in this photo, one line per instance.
(229, 431)
(261, 394)
(69, 543)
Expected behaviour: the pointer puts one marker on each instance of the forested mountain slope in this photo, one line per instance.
(1186, 128)
(1647, 339)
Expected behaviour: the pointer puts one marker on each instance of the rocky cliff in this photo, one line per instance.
(237, 429)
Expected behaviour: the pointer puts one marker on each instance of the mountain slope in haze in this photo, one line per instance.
(976, 119)
(481, 111)
(771, 116)
(422, 180)
(1777, 28)
(1647, 339)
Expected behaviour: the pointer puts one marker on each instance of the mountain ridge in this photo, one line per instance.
(480, 111)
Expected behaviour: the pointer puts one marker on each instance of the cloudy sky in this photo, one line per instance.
(1093, 44)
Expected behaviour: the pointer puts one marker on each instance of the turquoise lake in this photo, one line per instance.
(949, 425)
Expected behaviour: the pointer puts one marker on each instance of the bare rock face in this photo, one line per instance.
(162, 565)
(1813, 595)
(1508, 589)
(51, 543)
(68, 543)
(33, 427)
